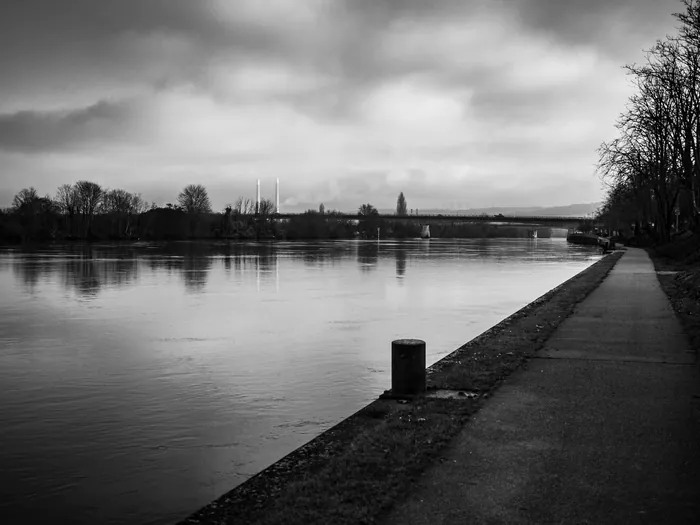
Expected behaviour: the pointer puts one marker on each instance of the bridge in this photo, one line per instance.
(553, 222)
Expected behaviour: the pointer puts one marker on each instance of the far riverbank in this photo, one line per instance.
(168, 224)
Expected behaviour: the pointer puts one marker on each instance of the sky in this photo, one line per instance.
(457, 103)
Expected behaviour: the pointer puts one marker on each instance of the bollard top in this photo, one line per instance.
(408, 342)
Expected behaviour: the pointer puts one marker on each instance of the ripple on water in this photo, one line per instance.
(142, 381)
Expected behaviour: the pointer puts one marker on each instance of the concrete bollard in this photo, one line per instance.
(407, 367)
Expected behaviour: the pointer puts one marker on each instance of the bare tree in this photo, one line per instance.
(117, 201)
(244, 206)
(90, 196)
(654, 164)
(194, 199)
(123, 206)
(25, 198)
(237, 208)
(37, 215)
(138, 204)
(267, 207)
(68, 201)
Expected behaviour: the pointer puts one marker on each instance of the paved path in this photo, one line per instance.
(603, 427)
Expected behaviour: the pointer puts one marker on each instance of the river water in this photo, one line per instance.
(141, 381)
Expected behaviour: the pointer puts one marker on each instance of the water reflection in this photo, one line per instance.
(83, 275)
(400, 253)
(195, 270)
(368, 255)
(81, 270)
(155, 398)
(319, 256)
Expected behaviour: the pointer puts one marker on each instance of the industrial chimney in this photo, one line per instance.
(257, 199)
(277, 197)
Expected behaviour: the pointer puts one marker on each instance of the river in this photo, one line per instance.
(141, 381)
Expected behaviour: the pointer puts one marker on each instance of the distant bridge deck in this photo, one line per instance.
(561, 222)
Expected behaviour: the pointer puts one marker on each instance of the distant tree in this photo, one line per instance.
(117, 201)
(401, 208)
(366, 210)
(244, 206)
(194, 199)
(67, 199)
(37, 215)
(117, 204)
(68, 202)
(369, 221)
(122, 206)
(264, 221)
(266, 207)
(249, 206)
(321, 209)
(138, 204)
(226, 220)
(25, 198)
(90, 196)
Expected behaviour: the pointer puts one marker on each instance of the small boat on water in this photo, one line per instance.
(579, 237)
(589, 238)
(532, 234)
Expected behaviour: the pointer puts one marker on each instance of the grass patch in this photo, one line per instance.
(681, 255)
(356, 471)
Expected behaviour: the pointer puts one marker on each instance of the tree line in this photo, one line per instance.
(652, 167)
(87, 211)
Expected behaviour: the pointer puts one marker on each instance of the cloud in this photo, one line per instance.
(28, 131)
(344, 100)
(614, 27)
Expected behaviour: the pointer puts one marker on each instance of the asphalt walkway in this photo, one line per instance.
(603, 427)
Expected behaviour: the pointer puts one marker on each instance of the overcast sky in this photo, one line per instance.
(457, 103)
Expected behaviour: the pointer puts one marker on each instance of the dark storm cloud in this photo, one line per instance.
(70, 43)
(28, 131)
(615, 27)
(167, 43)
(44, 38)
(81, 22)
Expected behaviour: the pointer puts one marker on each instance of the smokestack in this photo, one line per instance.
(277, 197)
(257, 199)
